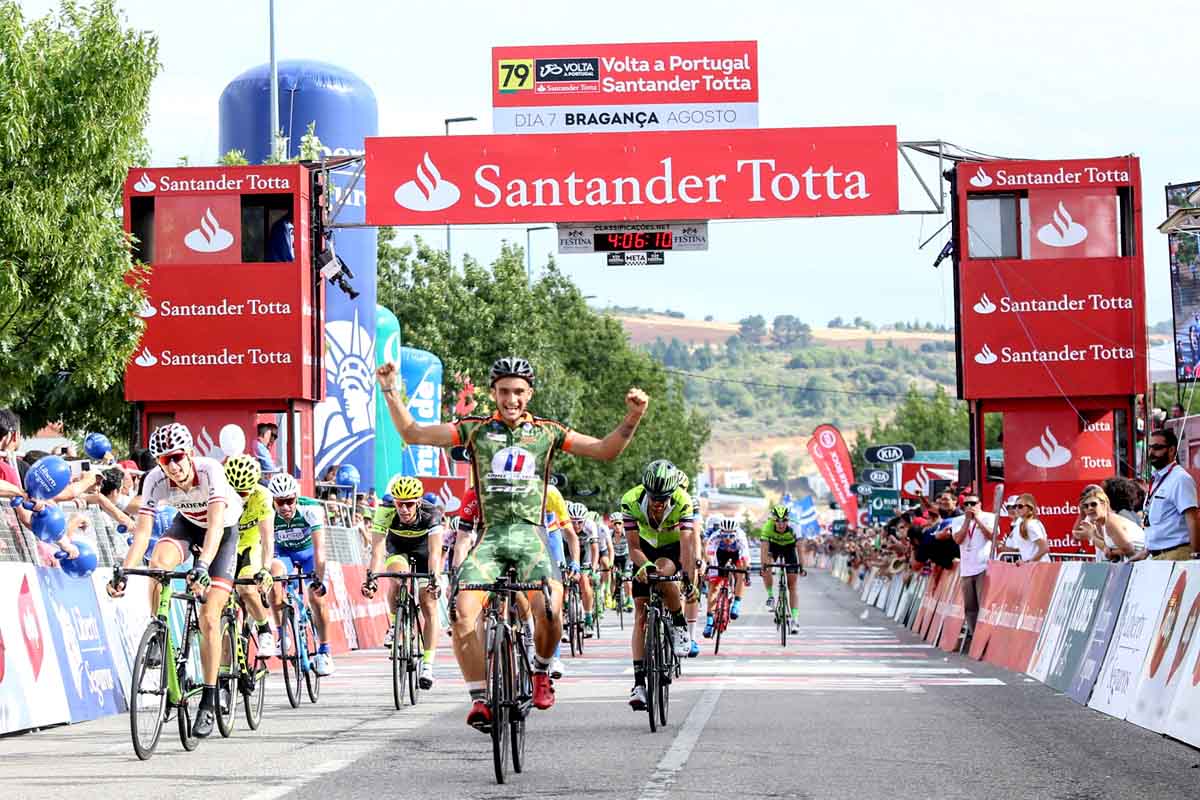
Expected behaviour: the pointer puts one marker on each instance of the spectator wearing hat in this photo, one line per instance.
(1173, 533)
(1028, 536)
(1114, 537)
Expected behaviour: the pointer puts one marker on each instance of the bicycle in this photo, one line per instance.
(721, 607)
(163, 670)
(619, 594)
(299, 635)
(407, 633)
(783, 606)
(510, 675)
(237, 652)
(598, 604)
(659, 659)
(573, 614)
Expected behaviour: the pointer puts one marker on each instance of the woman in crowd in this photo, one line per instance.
(1125, 497)
(1114, 537)
(1028, 537)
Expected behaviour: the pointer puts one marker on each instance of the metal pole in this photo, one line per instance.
(274, 142)
(528, 260)
(449, 257)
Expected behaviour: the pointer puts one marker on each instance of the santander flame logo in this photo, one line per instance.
(918, 484)
(1048, 453)
(1062, 230)
(985, 305)
(429, 192)
(210, 237)
(450, 503)
(147, 310)
(31, 628)
(985, 356)
(981, 180)
(146, 358)
(144, 184)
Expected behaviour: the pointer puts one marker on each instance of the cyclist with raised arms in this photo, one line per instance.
(727, 545)
(208, 509)
(300, 544)
(657, 516)
(409, 533)
(780, 545)
(511, 453)
(256, 543)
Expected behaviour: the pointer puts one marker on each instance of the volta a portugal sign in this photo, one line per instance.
(647, 176)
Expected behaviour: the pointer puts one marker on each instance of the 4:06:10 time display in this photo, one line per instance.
(632, 241)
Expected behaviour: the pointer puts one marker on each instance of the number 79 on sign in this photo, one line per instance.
(515, 74)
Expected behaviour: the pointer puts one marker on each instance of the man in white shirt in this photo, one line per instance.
(972, 532)
(1174, 530)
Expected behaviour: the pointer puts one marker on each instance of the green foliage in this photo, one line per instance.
(753, 328)
(789, 331)
(74, 95)
(780, 467)
(234, 158)
(583, 359)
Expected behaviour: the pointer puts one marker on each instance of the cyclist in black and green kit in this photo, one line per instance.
(511, 452)
(779, 544)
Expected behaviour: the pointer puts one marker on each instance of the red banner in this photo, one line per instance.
(1055, 443)
(916, 477)
(1003, 612)
(198, 229)
(605, 177)
(449, 489)
(1058, 510)
(1072, 223)
(1039, 593)
(829, 452)
(622, 74)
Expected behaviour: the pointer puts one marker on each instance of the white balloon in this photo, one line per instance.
(233, 440)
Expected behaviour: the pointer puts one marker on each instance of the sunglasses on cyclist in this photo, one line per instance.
(285, 501)
(406, 504)
(172, 458)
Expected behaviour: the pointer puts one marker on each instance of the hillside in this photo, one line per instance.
(762, 396)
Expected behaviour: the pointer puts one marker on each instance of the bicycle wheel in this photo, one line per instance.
(148, 695)
(416, 649)
(620, 595)
(667, 664)
(522, 695)
(574, 612)
(312, 681)
(227, 677)
(254, 680)
(191, 686)
(650, 655)
(399, 658)
(498, 700)
(289, 656)
(718, 623)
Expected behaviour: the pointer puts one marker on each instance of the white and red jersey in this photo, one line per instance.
(729, 542)
(208, 486)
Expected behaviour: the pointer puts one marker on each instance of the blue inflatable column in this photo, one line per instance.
(422, 375)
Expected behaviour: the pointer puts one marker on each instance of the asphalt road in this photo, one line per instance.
(854, 708)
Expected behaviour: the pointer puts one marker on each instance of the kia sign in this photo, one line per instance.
(596, 88)
(890, 453)
(607, 177)
(874, 476)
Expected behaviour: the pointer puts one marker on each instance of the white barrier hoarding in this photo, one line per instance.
(31, 686)
(1162, 675)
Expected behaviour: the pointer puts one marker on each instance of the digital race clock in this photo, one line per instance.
(632, 241)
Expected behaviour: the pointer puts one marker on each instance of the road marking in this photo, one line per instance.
(295, 783)
(681, 749)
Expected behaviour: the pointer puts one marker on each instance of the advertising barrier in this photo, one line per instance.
(31, 685)
(1183, 720)
(1162, 675)
(1105, 624)
(1081, 619)
(1055, 622)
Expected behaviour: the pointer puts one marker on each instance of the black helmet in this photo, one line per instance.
(661, 479)
(511, 367)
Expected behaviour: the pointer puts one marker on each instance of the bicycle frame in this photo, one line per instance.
(175, 693)
(303, 617)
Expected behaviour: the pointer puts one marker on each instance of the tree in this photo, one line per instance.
(752, 328)
(780, 468)
(74, 96)
(583, 360)
(788, 330)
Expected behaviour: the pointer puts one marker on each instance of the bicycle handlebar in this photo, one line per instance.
(160, 575)
(731, 570)
(398, 575)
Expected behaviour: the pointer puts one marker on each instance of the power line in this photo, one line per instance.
(793, 387)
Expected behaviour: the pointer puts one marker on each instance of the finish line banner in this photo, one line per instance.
(606, 177)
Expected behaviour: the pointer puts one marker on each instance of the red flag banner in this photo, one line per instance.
(832, 457)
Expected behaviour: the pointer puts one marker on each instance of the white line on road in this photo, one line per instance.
(301, 779)
(676, 757)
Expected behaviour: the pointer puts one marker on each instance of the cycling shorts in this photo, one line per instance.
(249, 561)
(518, 546)
(785, 553)
(186, 536)
(667, 551)
(725, 558)
(620, 562)
(414, 551)
(298, 560)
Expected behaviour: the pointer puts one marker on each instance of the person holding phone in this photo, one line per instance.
(1114, 537)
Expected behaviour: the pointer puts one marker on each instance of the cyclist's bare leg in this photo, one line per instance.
(320, 613)
(546, 631)
(637, 643)
(210, 632)
(791, 584)
(253, 600)
(585, 587)
(672, 596)
(279, 572)
(468, 637)
(166, 555)
(429, 617)
(739, 580)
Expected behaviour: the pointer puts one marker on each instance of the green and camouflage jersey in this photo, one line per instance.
(511, 465)
(678, 517)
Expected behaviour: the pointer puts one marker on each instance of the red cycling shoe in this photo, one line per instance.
(480, 717)
(543, 691)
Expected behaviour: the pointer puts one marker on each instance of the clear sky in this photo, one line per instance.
(1021, 79)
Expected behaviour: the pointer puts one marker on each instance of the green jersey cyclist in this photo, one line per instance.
(779, 544)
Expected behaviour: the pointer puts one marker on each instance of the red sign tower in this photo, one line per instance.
(1051, 323)
(233, 311)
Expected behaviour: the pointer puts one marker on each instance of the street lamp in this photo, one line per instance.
(447, 122)
(528, 258)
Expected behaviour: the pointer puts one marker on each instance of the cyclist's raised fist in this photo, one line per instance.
(386, 375)
(636, 401)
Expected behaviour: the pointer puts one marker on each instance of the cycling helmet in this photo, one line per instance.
(779, 512)
(729, 525)
(577, 510)
(660, 479)
(283, 485)
(616, 518)
(684, 483)
(405, 487)
(170, 438)
(511, 367)
(242, 472)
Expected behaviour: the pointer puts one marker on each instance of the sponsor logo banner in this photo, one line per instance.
(1081, 617)
(1183, 721)
(1055, 444)
(916, 478)
(1030, 331)
(1164, 671)
(1072, 223)
(742, 174)
(600, 74)
(883, 505)
(628, 117)
(890, 453)
(829, 452)
(223, 332)
(214, 180)
(197, 230)
(1005, 176)
(1024, 636)
(627, 236)
(1055, 624)
(450, 491)
(1097, 643)
(31, 692)
(1058, 510)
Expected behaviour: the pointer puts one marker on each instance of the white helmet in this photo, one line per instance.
(728, 524)
(170, 438)
(577, 510)
(283, 485)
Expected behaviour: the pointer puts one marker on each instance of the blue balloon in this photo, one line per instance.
(46, 479)
(97, 446)
(48, 524)
(81, 566)
(347, 474)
